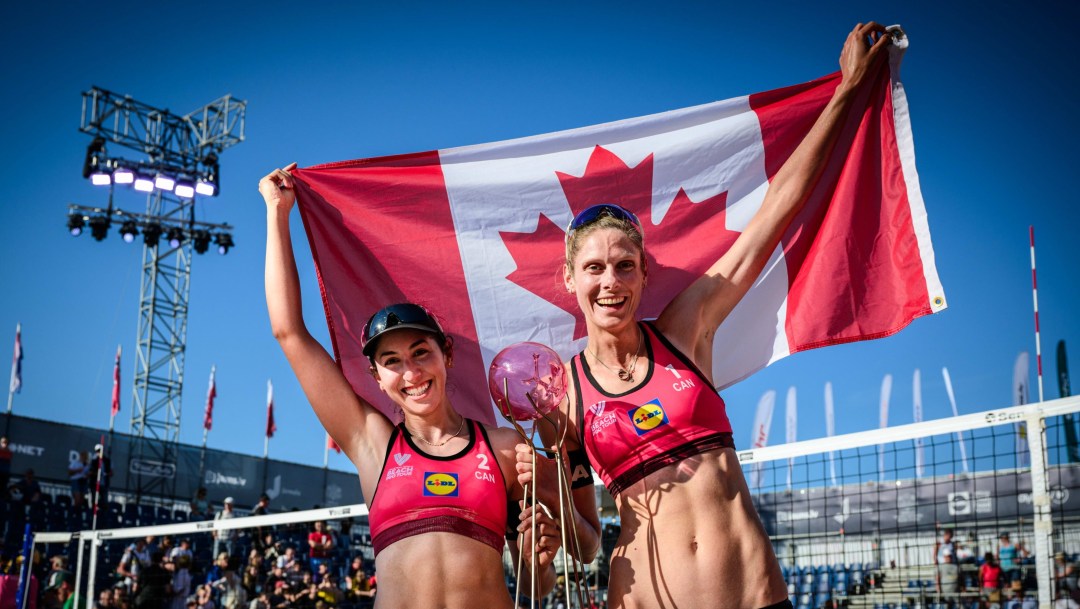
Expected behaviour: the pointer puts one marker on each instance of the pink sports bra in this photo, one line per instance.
(419, 493)
(673, 414)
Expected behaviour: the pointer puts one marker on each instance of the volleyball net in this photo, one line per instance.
(863, 518)
(855, 520)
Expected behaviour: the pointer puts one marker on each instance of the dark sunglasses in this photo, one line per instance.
(595, 212)
(397, 317)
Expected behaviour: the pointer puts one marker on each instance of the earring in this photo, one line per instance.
(450, 363)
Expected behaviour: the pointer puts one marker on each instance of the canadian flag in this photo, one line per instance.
(476, 234)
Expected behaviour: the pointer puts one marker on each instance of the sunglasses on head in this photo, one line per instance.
(595, 212)
(397, 316)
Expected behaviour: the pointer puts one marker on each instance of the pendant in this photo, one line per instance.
(625, 376)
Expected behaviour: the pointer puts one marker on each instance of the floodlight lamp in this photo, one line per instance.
(200, 239)
(123, 175)
(75, 224)
(150, 234)
(100, 178)
(176, 237)
(164, 182)
(143, 184)
(128, 231)
(224, 242)
(184, 190)
(206, 189)
(99, 227)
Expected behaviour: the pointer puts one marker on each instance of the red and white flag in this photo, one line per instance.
(211, 393)
(759, 437)
(15, 386)
(116, 384)
(332, 445)
(270, 426)
(477, 233)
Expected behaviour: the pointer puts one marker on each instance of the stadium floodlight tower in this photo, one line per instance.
(181, 163)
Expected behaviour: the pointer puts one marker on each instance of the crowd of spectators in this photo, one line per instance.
(272, 574)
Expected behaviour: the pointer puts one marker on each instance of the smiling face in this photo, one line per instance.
(410, 367)
(607, 277)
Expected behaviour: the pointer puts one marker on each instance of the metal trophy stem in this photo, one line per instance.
(573, 571)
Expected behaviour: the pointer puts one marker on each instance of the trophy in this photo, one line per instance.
(527, 381)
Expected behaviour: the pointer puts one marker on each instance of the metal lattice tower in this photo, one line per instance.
(178, 145)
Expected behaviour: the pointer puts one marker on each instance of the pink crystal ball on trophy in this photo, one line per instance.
(527, 370)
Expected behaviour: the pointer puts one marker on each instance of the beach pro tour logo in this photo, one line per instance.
(647, 417)
(438, 484)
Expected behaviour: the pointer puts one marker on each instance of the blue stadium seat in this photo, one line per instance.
(147, 515)
(840, 582)
(130, 515)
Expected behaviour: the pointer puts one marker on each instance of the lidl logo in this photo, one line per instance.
(438, 484)
(647, 417)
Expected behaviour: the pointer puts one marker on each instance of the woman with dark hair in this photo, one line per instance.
(437, 484)
(642, 405)
(990, 575)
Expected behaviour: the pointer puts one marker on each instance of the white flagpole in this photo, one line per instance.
(917, 414)
(830, 428)
(791, 422)
(955, 413)
(883, 416)
(326, 451)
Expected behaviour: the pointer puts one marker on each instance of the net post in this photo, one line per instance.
(92, 539)
(1043, 526)
(78, 567)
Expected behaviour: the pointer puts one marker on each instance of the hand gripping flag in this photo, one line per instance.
(476, 234)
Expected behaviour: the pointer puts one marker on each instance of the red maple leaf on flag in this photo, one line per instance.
(680, 248)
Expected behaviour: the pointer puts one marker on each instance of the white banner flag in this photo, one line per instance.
(830, 429)
(916, 412)
(1021, 372)
(883, 416)
(955, 413)
(791, 420)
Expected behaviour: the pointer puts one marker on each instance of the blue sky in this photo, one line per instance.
(994, 109)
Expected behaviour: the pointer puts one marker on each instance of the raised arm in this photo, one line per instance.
(360, 430)
(691, 319)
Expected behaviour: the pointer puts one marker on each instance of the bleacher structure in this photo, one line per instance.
(856, 525)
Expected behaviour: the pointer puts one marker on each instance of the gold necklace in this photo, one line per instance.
(625, 375)
(460, 426)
